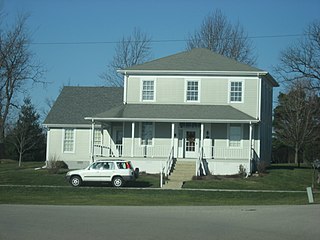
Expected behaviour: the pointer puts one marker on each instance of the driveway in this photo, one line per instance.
(88, 222)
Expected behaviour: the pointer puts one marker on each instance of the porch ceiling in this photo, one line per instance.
(174, 113)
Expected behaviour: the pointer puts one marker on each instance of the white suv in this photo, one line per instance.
(115, 171)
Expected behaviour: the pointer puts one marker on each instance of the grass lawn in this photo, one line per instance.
(278, 177)
(46, 188)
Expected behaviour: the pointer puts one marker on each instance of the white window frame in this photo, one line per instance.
(186, 90)
(64, 139)
(140, 134)
(240, 145)
(142, 91)
(242, 90)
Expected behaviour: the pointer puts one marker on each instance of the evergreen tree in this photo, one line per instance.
(27, 135)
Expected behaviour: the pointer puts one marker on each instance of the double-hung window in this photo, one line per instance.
(146, 133)
(192, 91)
(236, 91)
(68, 140)
(235, 135)
(147, 90)
(97, 136)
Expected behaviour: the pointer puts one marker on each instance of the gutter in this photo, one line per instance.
(171, 120)
(166, 72)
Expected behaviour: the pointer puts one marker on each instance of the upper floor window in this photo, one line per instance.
(236, 91)
(147, 90)
(68, 140)
(192, 91)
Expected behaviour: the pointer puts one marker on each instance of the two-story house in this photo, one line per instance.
(192, 106)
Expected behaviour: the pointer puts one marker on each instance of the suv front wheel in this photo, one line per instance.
(117, 182)
(75, 181)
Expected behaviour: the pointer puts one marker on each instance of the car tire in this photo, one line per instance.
(117, 182)
(75, 181)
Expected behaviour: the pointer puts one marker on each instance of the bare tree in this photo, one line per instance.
(296, 118)
(302, 59)
(131, 50)
(16, 68)
(219, 35)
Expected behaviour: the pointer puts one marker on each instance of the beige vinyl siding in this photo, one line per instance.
(133, 89)
(170, 90)
(81, 147)
(212, 91)
(250, 97)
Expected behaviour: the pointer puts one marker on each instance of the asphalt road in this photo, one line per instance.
(88, 222)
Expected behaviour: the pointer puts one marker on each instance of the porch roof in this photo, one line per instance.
(174, 113)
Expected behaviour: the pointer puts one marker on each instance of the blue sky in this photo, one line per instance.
(70, 21)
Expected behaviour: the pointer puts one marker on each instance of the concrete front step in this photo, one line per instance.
(183, 171)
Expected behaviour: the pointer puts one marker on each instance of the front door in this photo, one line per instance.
(191, 143)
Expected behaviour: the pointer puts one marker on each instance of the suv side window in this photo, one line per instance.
(110, 166)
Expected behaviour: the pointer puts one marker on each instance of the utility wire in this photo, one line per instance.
(156, 41)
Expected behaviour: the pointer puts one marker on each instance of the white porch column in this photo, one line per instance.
(92, 140)
(132, 138)
(250, 148)
(201, 135)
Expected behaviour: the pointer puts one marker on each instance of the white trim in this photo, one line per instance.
(174, 120)
(48, 145)
(227, 73)
(186, 89)
(259, 98)
(71, 125)
(74, 140)
(149, 77)
(143, 79)
(125, 84)
(230, 80)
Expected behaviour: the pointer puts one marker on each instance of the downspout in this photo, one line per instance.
(48, 147)
(92, 140)
(125, 88)
(250, 150)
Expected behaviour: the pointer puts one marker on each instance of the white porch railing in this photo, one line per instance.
(117, 150)
(224, 153)
(152, 151)
(169, 163)
(101, 151)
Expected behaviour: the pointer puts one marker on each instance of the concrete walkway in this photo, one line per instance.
(160, 189)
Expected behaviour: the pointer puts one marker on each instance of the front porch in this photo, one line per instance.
(153, 146)
(163, 151)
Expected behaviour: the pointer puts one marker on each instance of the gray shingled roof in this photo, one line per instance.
(198, 59)
(76, 103)
(171, 112)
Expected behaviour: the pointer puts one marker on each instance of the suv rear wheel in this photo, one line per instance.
(117, 182)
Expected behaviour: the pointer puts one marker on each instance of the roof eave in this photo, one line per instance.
(174, 120)
(186, 72)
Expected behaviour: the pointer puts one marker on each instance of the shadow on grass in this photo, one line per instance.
(136, 184)
(287, 167)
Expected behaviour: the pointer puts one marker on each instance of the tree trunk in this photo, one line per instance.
(2, 152)
(296, 156)
(20, 158)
